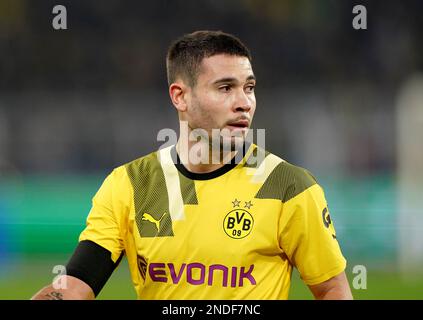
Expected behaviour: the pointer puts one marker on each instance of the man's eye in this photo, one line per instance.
(250, 88)
(225, 88)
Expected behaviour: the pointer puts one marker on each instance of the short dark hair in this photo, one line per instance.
(185, 55)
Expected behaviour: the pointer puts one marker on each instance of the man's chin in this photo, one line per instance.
(232, 143)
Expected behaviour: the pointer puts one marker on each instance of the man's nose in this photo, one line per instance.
(243, 102)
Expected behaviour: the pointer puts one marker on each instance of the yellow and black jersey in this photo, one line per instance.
(234, 233)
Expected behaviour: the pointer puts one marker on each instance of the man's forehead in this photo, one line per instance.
(224, 65)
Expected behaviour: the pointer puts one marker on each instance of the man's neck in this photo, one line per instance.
(200, 157)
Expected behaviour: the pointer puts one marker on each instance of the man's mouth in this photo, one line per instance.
(240, 124)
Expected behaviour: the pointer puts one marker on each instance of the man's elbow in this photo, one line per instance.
(71, 289)
(336, 288)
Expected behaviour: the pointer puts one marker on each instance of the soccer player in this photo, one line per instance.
(229, 224)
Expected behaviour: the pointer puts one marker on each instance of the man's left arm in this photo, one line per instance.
(336, 288)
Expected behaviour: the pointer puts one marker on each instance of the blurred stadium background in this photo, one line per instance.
(346, 104)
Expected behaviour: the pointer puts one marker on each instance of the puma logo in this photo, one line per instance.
(149, 217)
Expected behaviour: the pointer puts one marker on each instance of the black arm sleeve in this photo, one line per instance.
(92, 264)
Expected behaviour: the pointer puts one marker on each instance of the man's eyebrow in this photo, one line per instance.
(232, 79)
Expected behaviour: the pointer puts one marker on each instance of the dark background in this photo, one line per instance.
(95, 95)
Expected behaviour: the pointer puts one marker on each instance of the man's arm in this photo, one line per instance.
(86, 274)
(76, 289)
(336, 288)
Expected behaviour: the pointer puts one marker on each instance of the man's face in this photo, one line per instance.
(223, 97)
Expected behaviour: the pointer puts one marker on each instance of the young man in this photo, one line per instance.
(209, 218)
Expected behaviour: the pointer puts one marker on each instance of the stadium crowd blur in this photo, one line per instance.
(94, 96)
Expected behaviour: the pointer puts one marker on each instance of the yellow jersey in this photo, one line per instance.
(235, 233)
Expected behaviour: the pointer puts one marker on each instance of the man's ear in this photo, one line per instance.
(178, 92)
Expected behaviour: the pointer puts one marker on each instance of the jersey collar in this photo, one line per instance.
(208, 175)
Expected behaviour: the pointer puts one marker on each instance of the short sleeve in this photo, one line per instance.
(307, 236)
(106, 220)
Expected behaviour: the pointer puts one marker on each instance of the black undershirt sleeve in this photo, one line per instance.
(92, 264)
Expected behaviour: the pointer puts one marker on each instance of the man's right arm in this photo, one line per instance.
(100, 246)
(76, 289)
(86, 274)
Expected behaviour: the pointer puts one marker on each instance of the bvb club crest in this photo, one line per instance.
(238, 223)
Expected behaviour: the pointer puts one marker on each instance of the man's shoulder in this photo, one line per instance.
(286, 180)
(149, 158)
(149, 166)
(142, 160)
(136, 165)
(286, 168)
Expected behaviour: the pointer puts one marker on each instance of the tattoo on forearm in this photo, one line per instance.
(54, 295)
